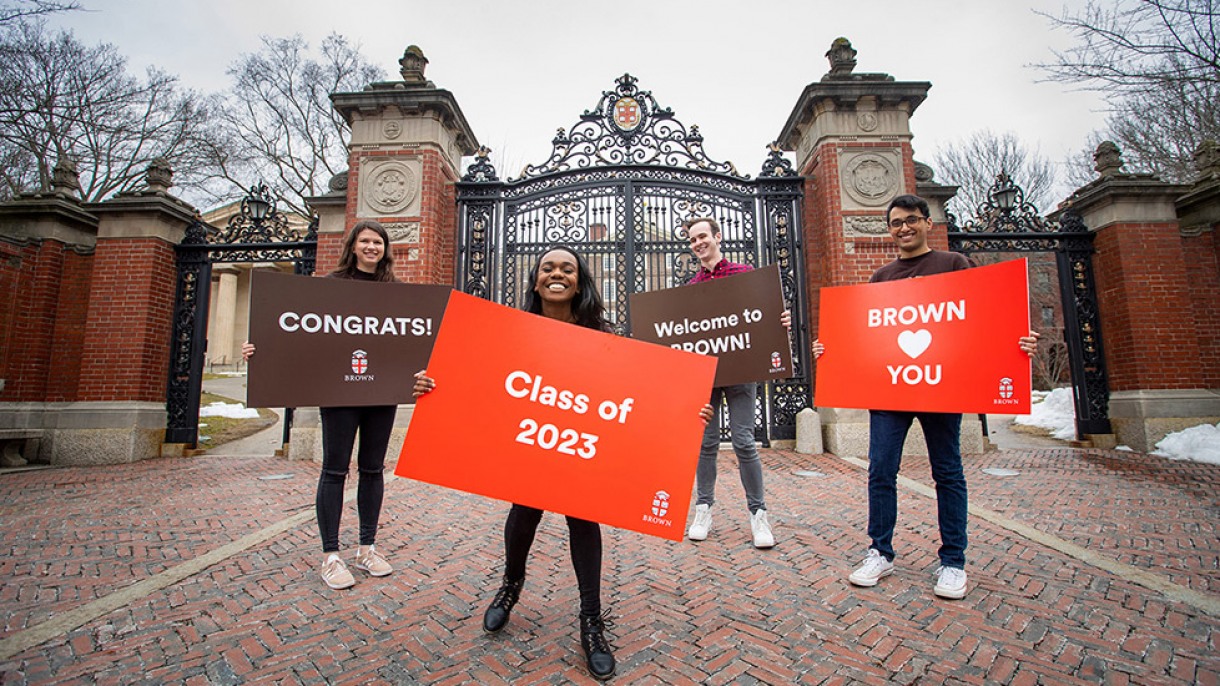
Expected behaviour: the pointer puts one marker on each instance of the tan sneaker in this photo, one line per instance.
(372, 562)
(335, 573)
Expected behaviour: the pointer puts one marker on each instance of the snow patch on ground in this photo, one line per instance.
(1056, 414)
(231, 410)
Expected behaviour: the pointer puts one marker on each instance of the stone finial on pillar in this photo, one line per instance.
(1207, 160)
(413, 64)
(338, 183)
(842, 57)
(64, 178)
(1108, 159)
(159, 176)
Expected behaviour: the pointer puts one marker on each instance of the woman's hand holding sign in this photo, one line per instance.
(423, 383)
(1029, 344)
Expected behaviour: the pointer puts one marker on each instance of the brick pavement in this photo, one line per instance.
(140, 538)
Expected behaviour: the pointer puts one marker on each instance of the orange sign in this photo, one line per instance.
(943, 343)
(559, 417)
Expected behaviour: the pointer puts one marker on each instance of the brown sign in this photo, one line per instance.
(338, 342)
(736, 319)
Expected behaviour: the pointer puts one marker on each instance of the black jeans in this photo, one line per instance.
(339, 427)
(585, 542)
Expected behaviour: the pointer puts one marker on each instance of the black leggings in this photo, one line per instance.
(585, 539)
(339, 425)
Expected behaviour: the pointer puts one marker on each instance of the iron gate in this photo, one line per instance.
(618, 187)
(1009, 224)
(258, 233)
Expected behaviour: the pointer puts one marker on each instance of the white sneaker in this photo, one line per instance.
(950, 582)
(763, 538)
(874, 568)
(702, 524)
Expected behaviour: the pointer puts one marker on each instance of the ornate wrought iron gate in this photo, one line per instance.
(617, 187)
(258, 233)
(1009, 224)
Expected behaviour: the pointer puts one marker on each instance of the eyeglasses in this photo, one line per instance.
(910, 221)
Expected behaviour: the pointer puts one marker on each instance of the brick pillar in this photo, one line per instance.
(1199, 221)
(1158, 334)
(120, 413)
(46, 258)
(852, 138)
(408, 140)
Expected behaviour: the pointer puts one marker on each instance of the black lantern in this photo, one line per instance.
(1004, 193)
(259, 203)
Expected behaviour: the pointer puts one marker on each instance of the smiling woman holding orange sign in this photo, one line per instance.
(561, 288)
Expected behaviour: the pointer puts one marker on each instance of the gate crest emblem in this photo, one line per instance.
(627, 113)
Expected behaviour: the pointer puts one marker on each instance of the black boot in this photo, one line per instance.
(497, 614)
(597, 649)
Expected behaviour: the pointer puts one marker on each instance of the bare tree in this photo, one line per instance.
(60, 99)
(20, 172)
(277, 123)
(1139, 44)
(1158, 62)
(16, 10)
(1160, 130)
(973, 164)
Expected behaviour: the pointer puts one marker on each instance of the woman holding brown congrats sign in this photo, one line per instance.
(561, 288)
(365, 256)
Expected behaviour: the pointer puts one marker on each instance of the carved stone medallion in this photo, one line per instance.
(390, 187)
(867, 121)
(392, 128)
(870, 179)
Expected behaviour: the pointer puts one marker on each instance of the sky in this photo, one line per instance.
(522, 69)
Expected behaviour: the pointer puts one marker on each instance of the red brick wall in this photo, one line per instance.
(329, 247)
(1145, 302)
(63, 382)
(32, 336)
(126, 349)
(42, 316)
(1203, 271)
(11, 258)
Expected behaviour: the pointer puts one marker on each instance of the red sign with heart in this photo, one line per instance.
(943, 343)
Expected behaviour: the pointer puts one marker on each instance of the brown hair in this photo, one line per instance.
(347, 255)
(710, 220)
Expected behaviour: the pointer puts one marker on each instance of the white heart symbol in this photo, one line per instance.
(913, 343)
